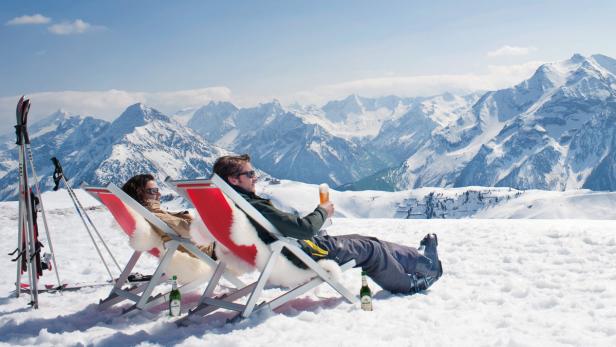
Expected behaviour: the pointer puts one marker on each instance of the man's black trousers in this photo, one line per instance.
(388, 264)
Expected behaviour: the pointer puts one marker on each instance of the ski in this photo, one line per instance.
(27, 238)
(65, 287)
(29, 257)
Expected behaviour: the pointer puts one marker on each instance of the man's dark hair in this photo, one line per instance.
(230, 165)
(135, 187)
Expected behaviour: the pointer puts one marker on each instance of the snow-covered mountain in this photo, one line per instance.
(140, 140)
(286, 143)
(553, 131)
(356, 117)
(61, 135)
(214, 120)
(341, 142)
(402, 136)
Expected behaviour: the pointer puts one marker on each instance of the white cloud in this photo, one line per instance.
(510, 51)
(107, 104)
(496, 77)
(24, 20)
(76, 27)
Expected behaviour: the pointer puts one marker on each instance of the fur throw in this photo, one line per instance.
(186, 267)
(285, 273)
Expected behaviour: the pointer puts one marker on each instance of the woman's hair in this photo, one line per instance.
(135, 186)
(230, 165)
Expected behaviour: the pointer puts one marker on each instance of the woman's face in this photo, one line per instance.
(151, 191)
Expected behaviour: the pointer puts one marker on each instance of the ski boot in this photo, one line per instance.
(420, 283)
(427, 247)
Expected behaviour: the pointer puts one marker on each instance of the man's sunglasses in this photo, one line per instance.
(249, 174)
(152, 191)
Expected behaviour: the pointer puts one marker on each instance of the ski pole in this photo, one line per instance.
(72, 192)
(92, 238)
(47, 234)
(88, 231)
(59, 175)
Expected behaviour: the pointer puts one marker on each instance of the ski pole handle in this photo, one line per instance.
(57, 174)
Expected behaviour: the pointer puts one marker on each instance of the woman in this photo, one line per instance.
(143, 189)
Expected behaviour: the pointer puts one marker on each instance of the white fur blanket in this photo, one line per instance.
(285, 273)
(188, 268)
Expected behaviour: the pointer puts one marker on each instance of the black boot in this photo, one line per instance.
(421, 283)
(428, 245)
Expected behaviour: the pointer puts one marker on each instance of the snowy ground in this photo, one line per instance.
(506, 283)
(535, 204)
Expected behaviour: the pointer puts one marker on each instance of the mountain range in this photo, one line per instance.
(554, 131)
(140, 140)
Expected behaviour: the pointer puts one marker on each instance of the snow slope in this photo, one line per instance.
(531, 204)
(506, 283)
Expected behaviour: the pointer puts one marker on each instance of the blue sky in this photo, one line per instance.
(183, 53)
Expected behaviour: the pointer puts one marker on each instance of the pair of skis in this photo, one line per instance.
(28, 246)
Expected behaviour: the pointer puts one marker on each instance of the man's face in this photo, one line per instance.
(244, 179)
(151, 191)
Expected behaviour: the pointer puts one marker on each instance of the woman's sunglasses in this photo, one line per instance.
(249, 174)
(152, 191)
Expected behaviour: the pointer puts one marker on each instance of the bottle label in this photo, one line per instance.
(366, 303)
(174, 308)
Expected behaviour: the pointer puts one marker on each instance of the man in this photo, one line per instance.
(394, 267)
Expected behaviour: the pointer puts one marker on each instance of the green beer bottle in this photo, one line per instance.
(365, 294)
(175, 298)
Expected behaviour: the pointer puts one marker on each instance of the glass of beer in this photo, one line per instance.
(323, 193)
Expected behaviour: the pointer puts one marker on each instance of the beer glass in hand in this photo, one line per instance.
(323, 198)
(323, 193)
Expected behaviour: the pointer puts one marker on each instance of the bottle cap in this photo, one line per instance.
(174, 277)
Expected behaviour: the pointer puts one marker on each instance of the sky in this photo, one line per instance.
(98, 57)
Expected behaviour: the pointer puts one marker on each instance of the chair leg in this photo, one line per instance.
(173, 245)
(276, 247)
(210, 305)
(127, 270)
(209, 290)
(109, 300)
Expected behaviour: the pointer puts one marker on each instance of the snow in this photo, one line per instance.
(184, 115)
(507, 282)
(351, 120)
(227, 139)
(571, 204)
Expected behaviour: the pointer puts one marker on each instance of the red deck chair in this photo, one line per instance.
(124, 209)
(208, 197)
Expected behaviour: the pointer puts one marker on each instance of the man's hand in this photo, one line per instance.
(328, 207)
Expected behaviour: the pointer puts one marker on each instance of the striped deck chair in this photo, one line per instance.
(129, 214)
(221, 207)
